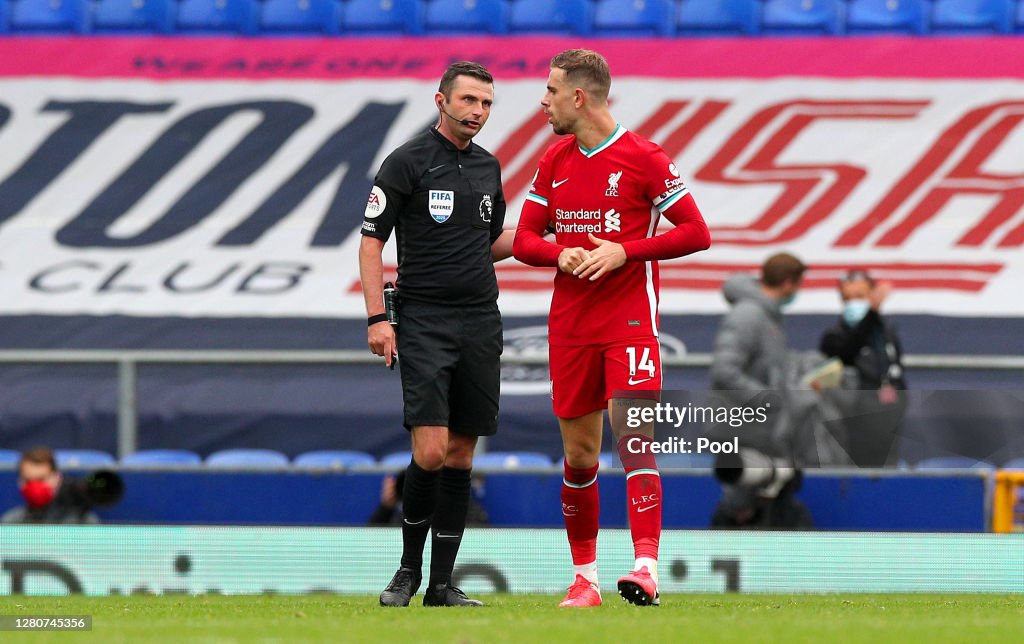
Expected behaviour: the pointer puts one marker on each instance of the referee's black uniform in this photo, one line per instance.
(447, 209)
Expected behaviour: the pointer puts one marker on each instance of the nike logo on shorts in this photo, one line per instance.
(555, 184)
(408, 522)
(441, 535)
(637, 382)
(647, 508)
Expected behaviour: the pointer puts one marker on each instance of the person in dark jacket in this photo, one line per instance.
(49, 497)
(868, 344)
(750, 367)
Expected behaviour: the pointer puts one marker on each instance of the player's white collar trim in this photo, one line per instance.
(612, 138)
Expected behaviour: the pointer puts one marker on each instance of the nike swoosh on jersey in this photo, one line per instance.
(436, 167)
(555, 184)
(638, 382)
(648, 507)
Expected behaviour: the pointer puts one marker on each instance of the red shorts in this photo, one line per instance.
(584, 378)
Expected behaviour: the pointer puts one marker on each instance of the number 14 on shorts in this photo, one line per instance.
(645, 364)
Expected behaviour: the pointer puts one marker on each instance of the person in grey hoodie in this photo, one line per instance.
(751, 368)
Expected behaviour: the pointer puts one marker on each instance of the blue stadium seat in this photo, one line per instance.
(953, 463)
(151, 16)
(63, 16)
(718, 17)
(261, 458)
(803, 16)
(214, 16)
(334, 459)
(161, 458)
(686, 461)
(533, 16)
(633, 18)
(1019, 23)
(397, 460)
(82, 458)
(972, 16)
(511, 460)
(307, 17)
(463, 16)
(905, 16)
(9, 457)
(5, 16)
(381, 16)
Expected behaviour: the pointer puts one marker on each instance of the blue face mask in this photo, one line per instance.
(787, 300)
(855, 310)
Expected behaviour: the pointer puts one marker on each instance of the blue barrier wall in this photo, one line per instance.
(893, 502)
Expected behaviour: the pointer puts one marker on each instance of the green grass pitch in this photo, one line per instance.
(533, 618)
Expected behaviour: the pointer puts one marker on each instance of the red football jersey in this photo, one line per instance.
(616, 191)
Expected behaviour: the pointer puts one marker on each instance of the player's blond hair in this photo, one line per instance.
(587, 69)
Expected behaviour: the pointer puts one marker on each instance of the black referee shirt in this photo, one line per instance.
(447, 208)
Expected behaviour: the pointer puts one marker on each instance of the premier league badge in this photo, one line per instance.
(486, 208)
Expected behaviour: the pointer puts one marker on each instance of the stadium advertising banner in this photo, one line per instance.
(221, 178)
(108, 560)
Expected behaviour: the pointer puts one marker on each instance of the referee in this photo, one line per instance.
(441, 193)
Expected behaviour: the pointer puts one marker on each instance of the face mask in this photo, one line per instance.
(854, 311)
(38, 493)
(787, 300)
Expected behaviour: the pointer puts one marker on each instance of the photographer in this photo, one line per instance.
(49, 498)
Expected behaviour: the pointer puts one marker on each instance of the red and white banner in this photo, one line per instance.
(223, 177)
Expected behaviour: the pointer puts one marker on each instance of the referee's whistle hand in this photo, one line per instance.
(381, 338)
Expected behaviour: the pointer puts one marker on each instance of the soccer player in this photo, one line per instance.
(602, 190)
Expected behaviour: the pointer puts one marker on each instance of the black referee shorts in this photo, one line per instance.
(450, 362)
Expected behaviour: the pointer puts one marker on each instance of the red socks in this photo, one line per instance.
(581, 507)
(643, 494)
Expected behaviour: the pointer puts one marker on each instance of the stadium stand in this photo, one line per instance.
(972, 16)
(953, 463)
(686, 461)
(48, 15)
(213, 16)
(717, 17)
(542, 16)
(161, 458)
(632, 18)
(82, 458)
(511, 460)
(396, 460)
(868, 16)
(247, 458)
(803, 17)
(9, 457)
(334, 459)
(298, 17)
(368, 17)
(463, 16)
(132, 16)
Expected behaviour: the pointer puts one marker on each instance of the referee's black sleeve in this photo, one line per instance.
(392, 188)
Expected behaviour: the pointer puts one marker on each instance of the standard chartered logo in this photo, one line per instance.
(587, 221)
(611, 221)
